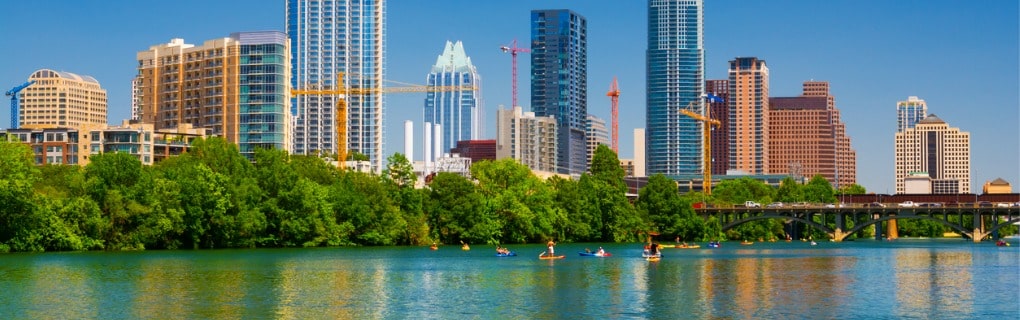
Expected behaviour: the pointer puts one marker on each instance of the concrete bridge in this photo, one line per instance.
(984, 221)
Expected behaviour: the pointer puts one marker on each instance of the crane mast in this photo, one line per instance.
(614, 98)
(707, 124)
(13, 93)
(513, 50)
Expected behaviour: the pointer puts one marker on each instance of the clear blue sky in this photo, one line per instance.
(960, 56)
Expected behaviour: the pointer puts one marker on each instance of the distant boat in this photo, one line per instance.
(508, 254)
(813, 243)
(549, 257)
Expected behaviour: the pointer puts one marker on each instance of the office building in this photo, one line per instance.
(749, 116)
(934, 147)
(458, 111)
(529, 139)
(559, 81)
(720, 111)
(806, 137)
(51, 145)
(909, 112)
(328, 37)
(60, 99)
(477, 150)
(675, 78)
(596, 133)
(235, 87)
(143, 141)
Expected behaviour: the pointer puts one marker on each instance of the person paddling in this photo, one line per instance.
(551, 244)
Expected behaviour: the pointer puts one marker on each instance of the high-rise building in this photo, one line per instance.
(806, 137)
(675, 78)
(62, 99)
(529, 139)
(559, 81)
(458, 111)
(909, 112)
(235, 87)
(136, 85)
(935, 148)
(596, 133)
(749, 116)
(639, 152)
(328, 37)
(720, 111)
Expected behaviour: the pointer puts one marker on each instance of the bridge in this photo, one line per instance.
(975, 223)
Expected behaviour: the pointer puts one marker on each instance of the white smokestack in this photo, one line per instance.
(409, 140)
(428, 148)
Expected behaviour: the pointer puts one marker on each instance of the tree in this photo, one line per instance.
(853, 189)
(519, 200)
(818, 190)
(667, 212)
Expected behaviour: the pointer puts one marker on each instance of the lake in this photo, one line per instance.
(923, 279)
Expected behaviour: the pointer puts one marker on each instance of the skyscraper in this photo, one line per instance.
(559, 81)
(720, 134)
(805, 134)
(933, 147)
(909, 112)
(235, 87)
(749, 116)
(674, 79)
(458, 111)
(328, 37)
(596, 134)
(61, 99)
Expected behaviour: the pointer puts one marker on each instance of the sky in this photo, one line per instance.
(961, 57)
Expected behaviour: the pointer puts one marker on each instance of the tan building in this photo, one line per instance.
(237, 87)
(943, 152)
(628, 167)
(142, 141)
(997, 186)
(639, 152)
(51, 145)
(60, 99)
(596, 134)
(749, 116)
(526, 138)
(806, 137)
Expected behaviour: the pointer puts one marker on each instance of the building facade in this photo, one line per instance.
(720, 110)
(328, 37)
(235, 87)
(806, 137)
(639, 152)
(529, 139)
(749, 116)
(675, 78)
(143, 141)
(559, 81)
(477, 150)
(51, 145)
(596, 133)
(60, 99)
(943, 152)
(459, 110)
(909, 112)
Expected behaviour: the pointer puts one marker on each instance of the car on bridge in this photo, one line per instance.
(874, 205)
(775, 205)
(752, 204)
(908, 204)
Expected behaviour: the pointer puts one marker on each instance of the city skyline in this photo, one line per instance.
(897, 49)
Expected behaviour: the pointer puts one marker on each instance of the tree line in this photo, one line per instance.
(213, 197)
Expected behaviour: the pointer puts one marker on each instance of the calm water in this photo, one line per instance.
(919, 279)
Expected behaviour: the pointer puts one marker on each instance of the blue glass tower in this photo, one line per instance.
(328, 37)
(264, 71)
(675, 77)
(559, 81)
(458, 111)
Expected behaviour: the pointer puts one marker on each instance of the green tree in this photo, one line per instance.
(607, 197)
(667, 212)
(853, 189)
(818, 190)
(521, 202)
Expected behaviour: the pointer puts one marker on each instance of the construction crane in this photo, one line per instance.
(13, 93)
(341, 104)
(513, 50)
(706, 185)
(614, 97)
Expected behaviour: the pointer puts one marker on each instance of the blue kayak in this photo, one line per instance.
(510, 254)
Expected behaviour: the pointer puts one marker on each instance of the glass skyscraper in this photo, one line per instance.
(909, 112)
(674, 78)
(264, 70)
(458, 111)
(559, 81)
(328, 37)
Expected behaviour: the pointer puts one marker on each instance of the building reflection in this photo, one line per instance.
(929, 279)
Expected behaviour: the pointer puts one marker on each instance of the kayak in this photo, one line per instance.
(651, 256)
(510, 254)
(548, 257)
(594, 254)
(690, 246)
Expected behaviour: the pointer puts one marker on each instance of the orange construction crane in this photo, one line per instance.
(707, 136)
(341, 104)
(614, 97)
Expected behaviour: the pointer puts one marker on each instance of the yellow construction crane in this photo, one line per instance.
(341, 104)
(707, 149)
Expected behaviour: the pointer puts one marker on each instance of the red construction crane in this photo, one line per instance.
(513, 50)
(614, 96)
